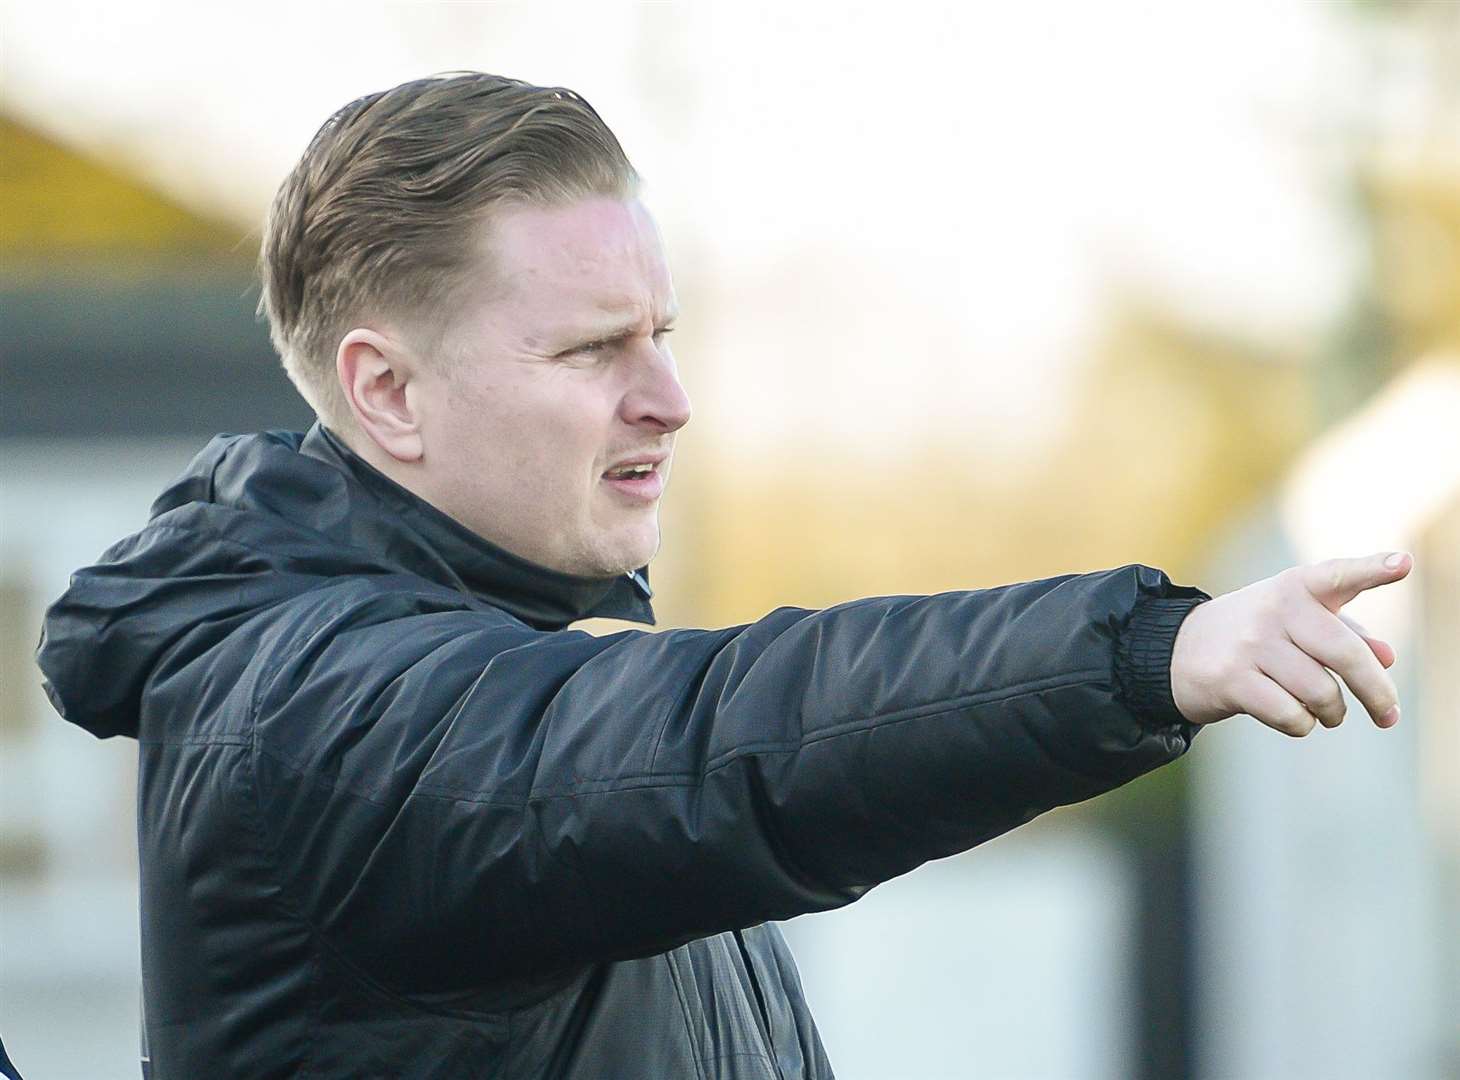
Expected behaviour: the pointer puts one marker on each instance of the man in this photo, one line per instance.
(396, 820)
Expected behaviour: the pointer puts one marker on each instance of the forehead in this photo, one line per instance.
(595, 254)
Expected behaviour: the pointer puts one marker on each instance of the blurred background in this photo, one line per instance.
(972, 294)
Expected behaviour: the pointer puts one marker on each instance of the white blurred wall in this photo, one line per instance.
(69, 961)
(1014, 960)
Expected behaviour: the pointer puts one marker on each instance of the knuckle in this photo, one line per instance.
(1252, 636)
(1347, 655)
(1292, 604)
(1265, 596)
(1289, 583)
(1240, 695)
(1299, 722)
(1327, 574)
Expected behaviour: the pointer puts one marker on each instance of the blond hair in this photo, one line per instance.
(383, 214)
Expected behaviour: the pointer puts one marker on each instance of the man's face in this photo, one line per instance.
(565, 373)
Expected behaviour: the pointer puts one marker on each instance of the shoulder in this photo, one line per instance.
(364, 627)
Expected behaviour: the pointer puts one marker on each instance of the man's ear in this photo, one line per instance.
(376, 372)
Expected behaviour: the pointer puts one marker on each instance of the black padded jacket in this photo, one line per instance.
(396, 820)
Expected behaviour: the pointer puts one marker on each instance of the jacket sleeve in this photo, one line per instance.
(451, 799)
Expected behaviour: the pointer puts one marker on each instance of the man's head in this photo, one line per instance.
(462, 282)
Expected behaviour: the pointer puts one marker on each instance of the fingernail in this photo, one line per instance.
(1394, 560)
(1390, 718)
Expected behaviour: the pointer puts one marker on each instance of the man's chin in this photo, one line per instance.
(612, 556)
(632, 555)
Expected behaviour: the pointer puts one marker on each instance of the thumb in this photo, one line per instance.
(1334, 582)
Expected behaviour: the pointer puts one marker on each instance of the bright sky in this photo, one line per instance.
(906, 212)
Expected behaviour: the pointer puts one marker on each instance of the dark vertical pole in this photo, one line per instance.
(1165, 969)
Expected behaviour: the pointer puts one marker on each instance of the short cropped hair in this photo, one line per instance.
(384, 215)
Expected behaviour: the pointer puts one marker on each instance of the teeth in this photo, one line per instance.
(630, 470)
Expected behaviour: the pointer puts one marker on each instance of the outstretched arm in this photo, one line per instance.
(482, 801)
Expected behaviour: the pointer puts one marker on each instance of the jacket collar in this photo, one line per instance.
(432, 543)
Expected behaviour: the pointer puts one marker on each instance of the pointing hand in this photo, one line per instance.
(1263, 650)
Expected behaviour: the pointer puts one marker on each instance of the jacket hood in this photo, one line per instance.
(255, 520)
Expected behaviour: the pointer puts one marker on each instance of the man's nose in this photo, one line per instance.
(656, 397)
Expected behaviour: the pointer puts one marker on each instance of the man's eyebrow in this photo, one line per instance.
(622, 328)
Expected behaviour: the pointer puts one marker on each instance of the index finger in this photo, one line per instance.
(1334, 582)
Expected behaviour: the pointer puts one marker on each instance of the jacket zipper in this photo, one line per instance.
(765, 1016)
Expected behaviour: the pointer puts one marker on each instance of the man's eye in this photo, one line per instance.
(594, 347)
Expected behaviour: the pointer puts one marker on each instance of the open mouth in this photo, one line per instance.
(631, 472)
(642, 480)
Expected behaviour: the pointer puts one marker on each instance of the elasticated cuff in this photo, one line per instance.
(1143, 655)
